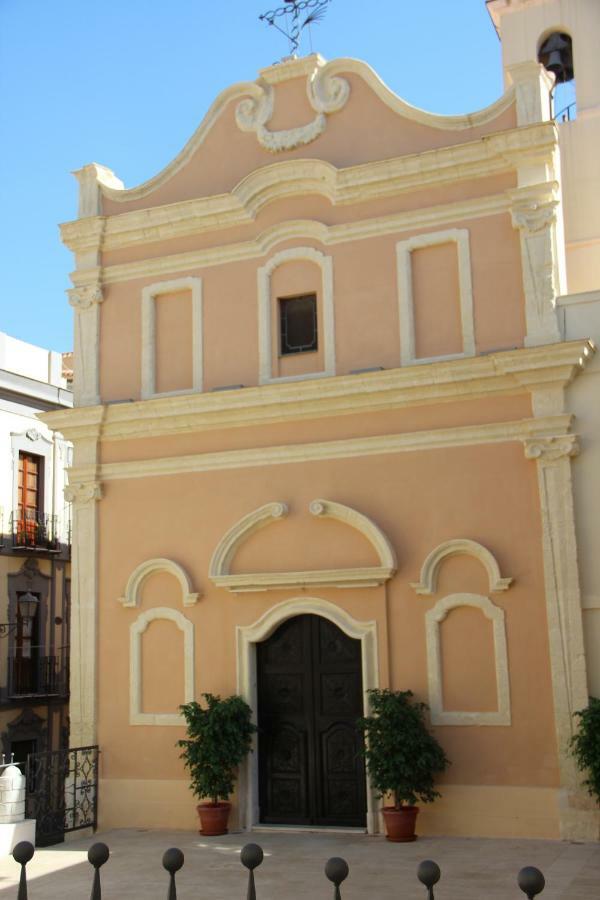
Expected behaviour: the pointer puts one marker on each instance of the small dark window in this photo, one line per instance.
(298, 324)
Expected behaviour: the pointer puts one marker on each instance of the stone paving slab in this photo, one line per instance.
(472, 869)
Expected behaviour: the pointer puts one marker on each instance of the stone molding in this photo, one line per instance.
(132, 596)
(433, 619)
(348, 448)
(239, 533)
(149, 295)
(501, 373)
(551, 449)
(247, 636)
(265, 343)
(302, 229)
(565, 622)
(326, 94)
(136, 631)
(85, 296)
(359, 577)
(457, 547)
(498, 153)
(534, 212)
(83, 493)
(404, 250)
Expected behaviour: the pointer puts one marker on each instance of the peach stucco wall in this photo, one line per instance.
(487, 493)
(367, 331)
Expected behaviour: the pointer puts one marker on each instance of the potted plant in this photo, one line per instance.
(219, 737)
(402, 757)
(585, 746)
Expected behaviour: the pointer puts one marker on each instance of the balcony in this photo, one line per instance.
(32, 530)
(37, 675)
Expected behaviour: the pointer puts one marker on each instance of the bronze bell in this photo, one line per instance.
(556, 55)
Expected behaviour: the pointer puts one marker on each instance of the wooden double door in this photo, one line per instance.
(310, 694)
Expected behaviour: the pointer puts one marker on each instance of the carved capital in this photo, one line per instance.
(85, 296)
(533, 216)
(83, 493)
(551, 449)
(534, 209)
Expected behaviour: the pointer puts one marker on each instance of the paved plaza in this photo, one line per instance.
(294, 863)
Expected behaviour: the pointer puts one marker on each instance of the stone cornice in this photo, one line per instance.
(506, 372)
(490, 155)
(539, 432)
(158, 267)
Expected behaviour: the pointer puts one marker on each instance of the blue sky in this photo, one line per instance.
(126, 82)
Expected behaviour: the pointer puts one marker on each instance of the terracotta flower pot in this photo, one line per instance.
(400, 823)
(213, 818)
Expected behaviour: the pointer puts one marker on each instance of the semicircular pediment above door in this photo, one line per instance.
(379, 569)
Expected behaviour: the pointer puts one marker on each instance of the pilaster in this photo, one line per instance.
(578, 814)
(85, 298)
(84, 603)
(534, 213)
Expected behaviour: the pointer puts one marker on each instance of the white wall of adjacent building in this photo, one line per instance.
(31, 381)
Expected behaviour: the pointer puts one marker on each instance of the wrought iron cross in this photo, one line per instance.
(294, 17)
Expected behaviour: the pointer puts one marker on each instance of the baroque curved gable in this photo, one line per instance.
(254, 110)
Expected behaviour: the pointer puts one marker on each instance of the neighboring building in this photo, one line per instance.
(323, 440)
(35, 540)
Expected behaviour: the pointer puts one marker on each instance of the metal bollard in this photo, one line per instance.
(336, 870)
(97, 856)
(251, 856)
(172, 861)
(531, 881)
(22, 853)
(429, 873)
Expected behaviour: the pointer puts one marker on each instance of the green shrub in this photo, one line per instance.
(402, 756)
(219, 738)
(585, 746)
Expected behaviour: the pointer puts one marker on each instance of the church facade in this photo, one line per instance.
(323, 442)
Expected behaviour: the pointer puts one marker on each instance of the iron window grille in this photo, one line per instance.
(298, 324)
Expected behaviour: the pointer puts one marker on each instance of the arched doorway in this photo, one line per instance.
(309, 696)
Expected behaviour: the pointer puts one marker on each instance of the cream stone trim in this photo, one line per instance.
(85, 298)
(457, 547)
(136, 630)
(463, 436)
(265, 360)
(149, 295)
(496, 154)
(362, 577)
(534, 210)
(329, 94)
(239, 533)
(329, 235)
(564, 617)
(327, 509)
(326, 95)
(460, 237)
(495, 374)
(247, 636)
(133, 589)
(433, 619)
(83, 664)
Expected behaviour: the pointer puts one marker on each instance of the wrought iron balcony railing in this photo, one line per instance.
(39, 675)
(36, 530)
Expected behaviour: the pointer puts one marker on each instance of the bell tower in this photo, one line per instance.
(563, 35)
